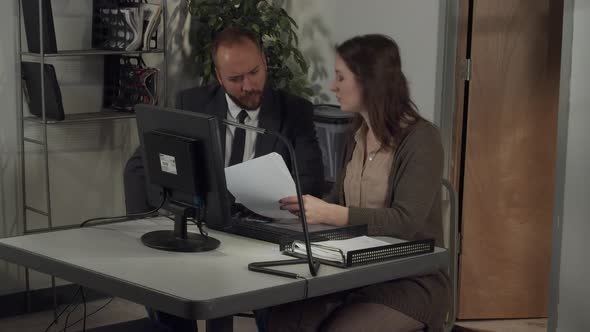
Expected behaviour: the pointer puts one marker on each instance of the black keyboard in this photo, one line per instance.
(259, 230)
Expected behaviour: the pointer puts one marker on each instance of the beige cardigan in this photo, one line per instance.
(413, 213)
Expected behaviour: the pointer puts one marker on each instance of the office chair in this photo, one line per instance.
(452, 242)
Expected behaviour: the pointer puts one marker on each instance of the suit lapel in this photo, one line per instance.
(270, 119)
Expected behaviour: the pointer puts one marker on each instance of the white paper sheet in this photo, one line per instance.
(259, 184)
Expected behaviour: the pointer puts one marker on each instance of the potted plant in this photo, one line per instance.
(287, 68)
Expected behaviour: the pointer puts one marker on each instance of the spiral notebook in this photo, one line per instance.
(358, 249)
(337, 250)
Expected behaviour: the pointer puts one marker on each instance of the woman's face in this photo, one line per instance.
(346, 88)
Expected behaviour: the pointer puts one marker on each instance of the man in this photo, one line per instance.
(243, 96)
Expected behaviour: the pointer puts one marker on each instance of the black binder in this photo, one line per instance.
(361, 256)
(31, 74)
(31, 20)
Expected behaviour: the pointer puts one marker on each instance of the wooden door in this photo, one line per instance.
(508, 158)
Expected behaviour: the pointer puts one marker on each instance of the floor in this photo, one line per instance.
(119, 311)
(513, 325)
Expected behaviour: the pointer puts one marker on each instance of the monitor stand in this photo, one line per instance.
(179, 239)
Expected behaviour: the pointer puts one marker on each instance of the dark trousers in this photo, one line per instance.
(169, 323)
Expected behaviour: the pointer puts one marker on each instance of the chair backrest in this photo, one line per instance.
(451, 241)
(331, 125)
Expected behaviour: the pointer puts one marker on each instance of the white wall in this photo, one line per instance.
(414, 25)
(417, 26)
(181, 67)
(573, 279)
(10, 275)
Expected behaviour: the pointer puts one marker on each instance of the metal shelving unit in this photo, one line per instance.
(44, 122)
(90, 52)
(106, 114)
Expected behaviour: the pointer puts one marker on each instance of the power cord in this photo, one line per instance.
(81, 292)
(80, 289)
(69, 314)
(127, 216)
(64, 309)
(84, 303)
(85, 316)
(90, 314)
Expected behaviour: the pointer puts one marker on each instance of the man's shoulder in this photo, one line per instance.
(198, 96)
(292, 102)
(208, 91)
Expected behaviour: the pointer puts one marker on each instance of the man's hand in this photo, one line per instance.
(316, 210)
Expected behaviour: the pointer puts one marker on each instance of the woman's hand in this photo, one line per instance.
(316, 210)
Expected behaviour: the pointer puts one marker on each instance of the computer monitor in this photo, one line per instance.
(183, 159)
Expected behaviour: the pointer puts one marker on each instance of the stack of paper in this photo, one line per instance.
(260, 183)
(336, 250)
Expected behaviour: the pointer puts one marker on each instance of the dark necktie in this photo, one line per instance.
(237, 148)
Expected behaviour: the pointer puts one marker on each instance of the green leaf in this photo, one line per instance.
(293, 21)
(294, 34)
(287, 68)
(284, 23)
(206, 71)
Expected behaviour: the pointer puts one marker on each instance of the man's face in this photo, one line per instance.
(241, 70)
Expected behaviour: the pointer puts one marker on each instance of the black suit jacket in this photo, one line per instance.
(280, 112)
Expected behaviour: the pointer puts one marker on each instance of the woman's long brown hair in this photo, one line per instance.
(375, 62)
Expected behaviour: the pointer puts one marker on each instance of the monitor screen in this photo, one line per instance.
(184, 155)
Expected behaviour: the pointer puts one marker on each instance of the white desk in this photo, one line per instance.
(211, 285)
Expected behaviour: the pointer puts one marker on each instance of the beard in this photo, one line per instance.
(250, 101)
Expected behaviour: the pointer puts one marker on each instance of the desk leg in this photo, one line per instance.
(222, 324)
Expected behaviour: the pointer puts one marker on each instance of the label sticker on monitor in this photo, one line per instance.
(168, 164)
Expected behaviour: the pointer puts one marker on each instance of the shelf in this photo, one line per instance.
(50, 229)
(34, 141)
(86, 117)
(89, 52)
(36, 211)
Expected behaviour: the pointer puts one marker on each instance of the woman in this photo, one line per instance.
(391, 181)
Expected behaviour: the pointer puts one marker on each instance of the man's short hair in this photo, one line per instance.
(232, 36)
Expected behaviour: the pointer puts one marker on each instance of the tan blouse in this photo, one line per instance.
(366, 182)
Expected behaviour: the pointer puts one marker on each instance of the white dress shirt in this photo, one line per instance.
(250, 139)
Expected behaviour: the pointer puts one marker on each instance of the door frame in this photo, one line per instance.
(448, 47)
(562, 134)
(451, 101)
(450, 43)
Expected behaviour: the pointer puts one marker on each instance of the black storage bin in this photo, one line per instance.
(332, 127)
